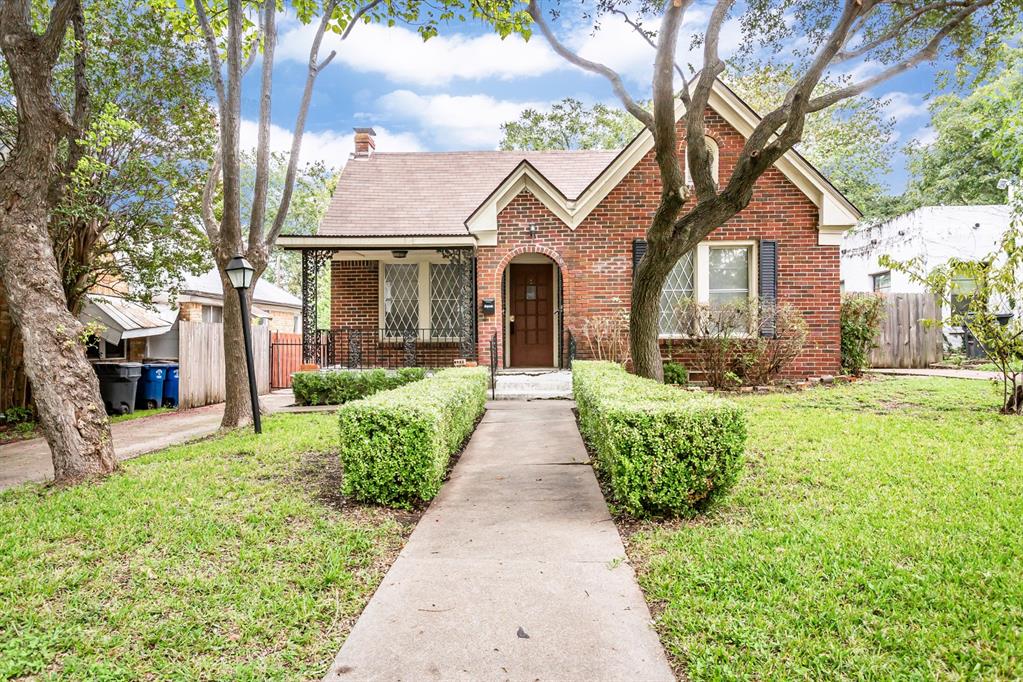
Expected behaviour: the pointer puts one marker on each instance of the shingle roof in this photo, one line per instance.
(432, 193)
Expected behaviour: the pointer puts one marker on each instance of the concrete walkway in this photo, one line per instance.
(516, 571)
(29, 460)
(947, 373)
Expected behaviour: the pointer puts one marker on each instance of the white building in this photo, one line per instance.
(934, 234)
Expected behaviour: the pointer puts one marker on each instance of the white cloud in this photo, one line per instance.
(454, 121)
(903, 105)
(619, 46)
(329, 146)
(926, 135)
(401, 56)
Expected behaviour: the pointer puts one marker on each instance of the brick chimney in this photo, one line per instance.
(364, 142)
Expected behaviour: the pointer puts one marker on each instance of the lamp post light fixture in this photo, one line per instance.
(240, 272)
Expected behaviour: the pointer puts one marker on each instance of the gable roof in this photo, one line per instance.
(432, 193)
(457, 194)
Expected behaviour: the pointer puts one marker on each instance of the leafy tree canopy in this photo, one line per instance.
(979, 142)
(570, 124)
(127, 193)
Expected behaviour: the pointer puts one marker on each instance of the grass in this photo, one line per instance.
(876, 534)
(229, 558)
(138, 414)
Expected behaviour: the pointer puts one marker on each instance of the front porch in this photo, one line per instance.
(415, 303)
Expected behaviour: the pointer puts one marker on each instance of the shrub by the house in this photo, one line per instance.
(675, 373)
(396, 445)
(663, 451)
(340, 386)
(861, 316)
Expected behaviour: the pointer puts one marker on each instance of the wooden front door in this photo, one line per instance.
(531, 315)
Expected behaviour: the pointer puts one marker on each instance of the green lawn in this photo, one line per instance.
(877, 534)
(228, 559)
(138, 414)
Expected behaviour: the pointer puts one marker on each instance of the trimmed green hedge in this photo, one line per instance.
(396, 445)
(340, 386)
(663, 450)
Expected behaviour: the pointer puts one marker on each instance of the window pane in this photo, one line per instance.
(882, 281)
(444, 285)
(401, 296)
(729, 271)
(678, 287)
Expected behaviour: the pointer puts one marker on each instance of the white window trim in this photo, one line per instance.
(424, 294)
(701, 276)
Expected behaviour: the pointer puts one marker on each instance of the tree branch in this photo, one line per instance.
(610, 74)
(684, 92)
(262, 179)
(314, 67)
(893, 32)
(209, 218)
(697, 153)
(56, 28)
(211, 50)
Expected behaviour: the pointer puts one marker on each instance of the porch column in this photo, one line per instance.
(465, 258)
(312, 261)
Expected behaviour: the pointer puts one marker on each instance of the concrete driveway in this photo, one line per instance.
(29, 460)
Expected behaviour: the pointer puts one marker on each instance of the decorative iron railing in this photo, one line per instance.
(493, 367)
(362, 347)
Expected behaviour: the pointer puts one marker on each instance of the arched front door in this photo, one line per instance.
(531, 324)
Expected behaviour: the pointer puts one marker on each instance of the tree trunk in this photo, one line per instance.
(644, 319)
(238, 403)
(65, 387)
(14, 388)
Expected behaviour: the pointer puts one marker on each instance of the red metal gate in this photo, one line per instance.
(285, 358)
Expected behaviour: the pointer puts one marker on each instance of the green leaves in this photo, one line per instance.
(342, 386)
(396, 445)
(860, 317)
(663, 450)
(570, 124)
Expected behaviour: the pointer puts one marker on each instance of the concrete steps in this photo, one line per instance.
(534, 385)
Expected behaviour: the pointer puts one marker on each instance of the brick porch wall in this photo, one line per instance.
(355, 304)
(596, 259)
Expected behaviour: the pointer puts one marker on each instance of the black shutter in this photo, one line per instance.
(768, 285)
(638, 250)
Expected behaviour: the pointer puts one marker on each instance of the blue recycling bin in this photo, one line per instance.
(149, 394)
(170, 385)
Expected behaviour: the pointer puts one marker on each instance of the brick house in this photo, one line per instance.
(435, 256)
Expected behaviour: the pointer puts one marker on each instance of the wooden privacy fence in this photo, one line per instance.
(201, 354)
(904, 340)
(285, 358)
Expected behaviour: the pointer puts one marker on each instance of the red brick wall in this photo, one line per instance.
(355, 294)
(596, 259)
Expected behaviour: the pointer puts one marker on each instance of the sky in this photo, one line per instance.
(454, 91)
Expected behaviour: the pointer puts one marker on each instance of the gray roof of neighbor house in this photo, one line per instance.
(208, 284)
(432, 193)
(120, 318)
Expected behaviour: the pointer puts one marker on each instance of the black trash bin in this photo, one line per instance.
(117, 384)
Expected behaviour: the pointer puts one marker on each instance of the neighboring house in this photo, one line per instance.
(932, 234)
(435, 256)
(132, 332)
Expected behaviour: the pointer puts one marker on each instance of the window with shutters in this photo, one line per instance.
(715, 273)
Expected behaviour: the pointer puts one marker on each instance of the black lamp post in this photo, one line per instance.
(240, 273)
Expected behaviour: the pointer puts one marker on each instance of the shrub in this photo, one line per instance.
(674, 373)
(336, 387)
(663, 451)
(860, 319)
(607, 337)
(396, 445)
(743, 343)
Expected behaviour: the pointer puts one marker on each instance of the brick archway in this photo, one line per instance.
(565, 289)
